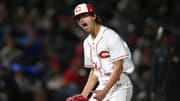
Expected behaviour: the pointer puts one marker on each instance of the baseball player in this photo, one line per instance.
(108, 57)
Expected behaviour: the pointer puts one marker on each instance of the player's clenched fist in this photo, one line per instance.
(99, 94)
(77, 98)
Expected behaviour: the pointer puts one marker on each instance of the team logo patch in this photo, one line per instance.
(104, 54)
(78, 9)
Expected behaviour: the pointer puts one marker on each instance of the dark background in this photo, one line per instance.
(39, 42)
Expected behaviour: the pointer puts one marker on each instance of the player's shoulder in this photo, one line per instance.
(109, 33)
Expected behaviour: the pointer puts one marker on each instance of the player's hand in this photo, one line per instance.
(78, 97)
(99, 94)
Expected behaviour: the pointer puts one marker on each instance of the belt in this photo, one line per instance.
(109, 74)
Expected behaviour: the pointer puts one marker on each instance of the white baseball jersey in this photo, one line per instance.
(105, 49)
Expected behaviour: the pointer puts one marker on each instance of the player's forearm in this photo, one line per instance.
(114, 76)
(92, 80)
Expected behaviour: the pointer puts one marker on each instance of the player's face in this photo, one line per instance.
(86, 22)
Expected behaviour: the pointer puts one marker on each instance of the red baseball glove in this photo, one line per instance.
(77, 98)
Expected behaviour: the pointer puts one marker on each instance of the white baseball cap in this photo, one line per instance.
(83, 9)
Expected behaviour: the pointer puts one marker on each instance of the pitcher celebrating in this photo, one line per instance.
(108, 57)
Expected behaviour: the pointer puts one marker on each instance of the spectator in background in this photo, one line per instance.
(27, 78)
(165, 64)
(74, 77)
(9, 52)
(5, 84)
(141, 78)
(54, 80)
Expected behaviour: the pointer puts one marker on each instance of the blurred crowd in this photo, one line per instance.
(41, 53)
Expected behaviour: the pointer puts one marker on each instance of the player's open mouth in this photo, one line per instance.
(84, 24)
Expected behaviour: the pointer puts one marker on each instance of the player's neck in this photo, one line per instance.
(97, 28)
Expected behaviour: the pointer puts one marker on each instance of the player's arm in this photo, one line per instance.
(92, 80)
(117, 49)
(118, 68)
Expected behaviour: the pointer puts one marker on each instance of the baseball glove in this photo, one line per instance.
(77, 98)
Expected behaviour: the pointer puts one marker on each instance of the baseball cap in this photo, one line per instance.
(82, 9)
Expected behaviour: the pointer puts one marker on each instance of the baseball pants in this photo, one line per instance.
(119, 92)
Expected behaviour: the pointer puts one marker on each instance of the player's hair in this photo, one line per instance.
(98, 19)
